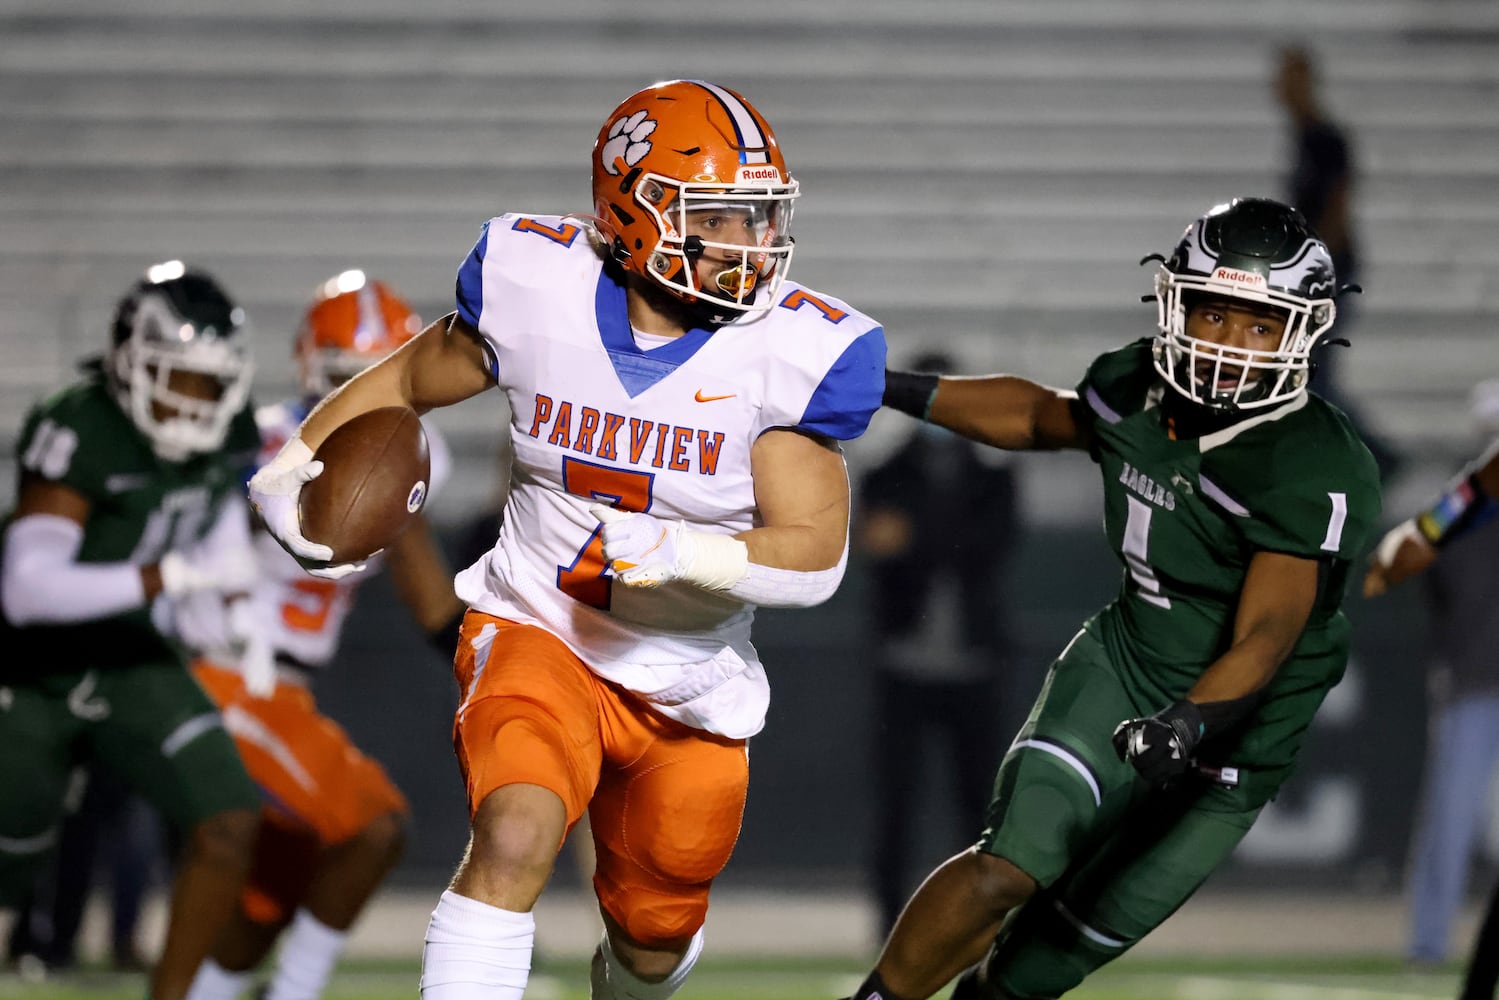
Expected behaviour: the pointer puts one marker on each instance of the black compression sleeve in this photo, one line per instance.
(910, 392)
(1217, 716)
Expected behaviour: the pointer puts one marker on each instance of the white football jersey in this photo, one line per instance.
(304, 615)
(597, 419)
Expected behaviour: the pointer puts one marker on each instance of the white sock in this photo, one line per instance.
(308, 954)
(476, 951)
(214, 982)
(612, 981)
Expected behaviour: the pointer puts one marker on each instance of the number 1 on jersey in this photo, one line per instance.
(585, 579)
(1136, 544)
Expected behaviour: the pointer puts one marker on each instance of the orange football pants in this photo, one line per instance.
(319, 789)
(665, 801)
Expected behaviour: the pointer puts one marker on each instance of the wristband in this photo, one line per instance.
(910, 392)
(1217, 716)
(1463, 506)
(713, 562)
(292, 454)
(1185, 719)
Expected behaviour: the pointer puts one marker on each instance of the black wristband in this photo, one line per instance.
(910, 392)
(444, 638)
(1218, 716)
(1185, 719)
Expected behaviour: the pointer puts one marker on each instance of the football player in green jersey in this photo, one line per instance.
(1236, 501)
(130, 509)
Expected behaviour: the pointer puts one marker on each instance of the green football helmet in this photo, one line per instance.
(1255, 250)
(176, 319)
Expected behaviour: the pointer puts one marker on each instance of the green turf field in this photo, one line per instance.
(805, 979)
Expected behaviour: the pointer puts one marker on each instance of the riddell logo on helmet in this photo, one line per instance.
(1240, 277)
(761, 173)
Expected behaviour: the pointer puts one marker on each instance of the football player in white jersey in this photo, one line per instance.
(333, 822)
(676, 405)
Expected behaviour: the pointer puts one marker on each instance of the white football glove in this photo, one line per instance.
(643, 551)
(198, 619)
(223, 631)
(189, 571)
(274, 490)
(337, 571)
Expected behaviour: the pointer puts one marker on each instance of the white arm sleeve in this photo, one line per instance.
(42, 583)
(721, 563)
(769, 587)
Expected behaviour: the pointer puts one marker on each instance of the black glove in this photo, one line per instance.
(1161, 746)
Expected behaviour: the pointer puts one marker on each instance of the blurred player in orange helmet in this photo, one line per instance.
(333, 821)
(352, 323)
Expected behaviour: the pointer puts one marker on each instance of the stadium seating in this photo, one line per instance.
(984, 172)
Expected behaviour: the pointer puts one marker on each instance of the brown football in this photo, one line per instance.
(374, 481)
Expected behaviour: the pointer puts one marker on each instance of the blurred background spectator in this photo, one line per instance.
(1462, 744)
(1321, 184)
(938, 522)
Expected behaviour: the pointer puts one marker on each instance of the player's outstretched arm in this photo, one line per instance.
(1277, 599)
(1004, 411)
(42, 582)
(1410, 547)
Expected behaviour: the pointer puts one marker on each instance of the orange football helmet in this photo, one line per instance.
(352, 323)
(685, 171)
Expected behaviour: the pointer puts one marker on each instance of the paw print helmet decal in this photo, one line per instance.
(691, 193)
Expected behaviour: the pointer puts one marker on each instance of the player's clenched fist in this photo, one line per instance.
(274, 490)
(1160, 746)
(643, 551)
(1403, 553)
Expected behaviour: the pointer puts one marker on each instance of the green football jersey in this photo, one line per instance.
(140, 507)
(1186, 516)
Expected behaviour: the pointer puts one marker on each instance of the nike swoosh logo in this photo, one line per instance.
(708, 399)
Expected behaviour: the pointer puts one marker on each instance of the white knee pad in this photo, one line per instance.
(612, 981)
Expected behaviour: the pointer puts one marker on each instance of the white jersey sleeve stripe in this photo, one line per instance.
(752, 144)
